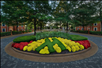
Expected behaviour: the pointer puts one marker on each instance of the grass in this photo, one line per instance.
(24, 39)
(77, 37)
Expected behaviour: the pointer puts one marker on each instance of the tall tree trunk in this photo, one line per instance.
(83, 26)
(101, 25)
(90, 27)
(41, 26)
(67, 26)
(34, 26)
(17, 27)
(60, 24)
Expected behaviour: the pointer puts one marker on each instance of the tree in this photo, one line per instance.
(14, 11)
(36, 7)
(84, 13)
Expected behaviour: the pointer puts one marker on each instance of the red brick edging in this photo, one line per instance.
(52, 58)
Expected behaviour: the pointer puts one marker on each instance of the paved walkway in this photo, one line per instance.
(94, 61)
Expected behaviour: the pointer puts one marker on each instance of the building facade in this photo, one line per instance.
(94, 27)
(5, 28)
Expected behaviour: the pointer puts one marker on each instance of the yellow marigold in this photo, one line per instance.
(25, 48)
(64, 44)
(34, 48)
(73, 49)
(44, 51)
(57, 48)
(50, 39)
(29, 48)
(77, 48)
(46, 47)
(69, 49)
(56, 45)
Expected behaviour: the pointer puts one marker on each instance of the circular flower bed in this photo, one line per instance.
(52, 44)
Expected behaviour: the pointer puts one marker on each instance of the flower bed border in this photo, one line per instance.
(53, 57)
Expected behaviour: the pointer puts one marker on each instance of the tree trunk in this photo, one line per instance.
(17, 27)
(60, 24)
(67, 26)
(41, 26)
(101, 25)
(83, 26)
(90, 27)
(34, 26)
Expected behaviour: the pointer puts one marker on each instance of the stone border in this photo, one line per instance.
(52, 58)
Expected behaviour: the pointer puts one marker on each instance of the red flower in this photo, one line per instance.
(85, 43)
(16, 45)
(31, 41)
(13, 44)
(21, 47)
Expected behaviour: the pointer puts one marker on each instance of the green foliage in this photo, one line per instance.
(24, 39)
(96, 32)
(78, 38)
(5, 33)
(83, 31)
(91, 32)
(52, 34)
(16, 32)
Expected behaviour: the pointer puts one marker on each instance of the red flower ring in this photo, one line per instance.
(85, 43)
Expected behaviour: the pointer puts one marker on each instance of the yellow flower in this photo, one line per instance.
(77, 48)
(46, 47)
(57, 48)
(69, 49)
(44, 51)
(25, 48)
(73, 49)
(29, 48)
(50, 39)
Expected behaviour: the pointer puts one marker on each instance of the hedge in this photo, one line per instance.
(16, 32)
(91, 32)
(5, 33)
(96, 32)
(24, 39)
(78, 38)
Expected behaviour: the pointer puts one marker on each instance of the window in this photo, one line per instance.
(81, 28)
(21, 25)
(95, 24)
(3, 30)
(88, 28)
(77, 28)
(95, 29)
(17, 25)
(3, 24)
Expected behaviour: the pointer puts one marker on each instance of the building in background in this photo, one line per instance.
(94, 27)
(5, 28)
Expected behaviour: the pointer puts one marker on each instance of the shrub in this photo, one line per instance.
(24, 39)
(5, 33)
(16, 32)
(52, 34)
(96, 32)
(83, 31)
